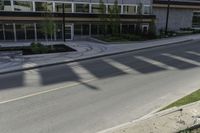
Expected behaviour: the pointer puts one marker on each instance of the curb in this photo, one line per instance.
(94, 57)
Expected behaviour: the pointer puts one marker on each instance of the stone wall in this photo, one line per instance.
(178, 18)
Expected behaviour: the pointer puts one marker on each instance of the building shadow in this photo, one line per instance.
(13, 80)
(100, 69)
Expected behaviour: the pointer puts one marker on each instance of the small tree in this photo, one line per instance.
(152, 30)
(114, 18)
(140, 12)
(102, 16)
(48, 26)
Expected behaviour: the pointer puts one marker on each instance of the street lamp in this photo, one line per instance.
(167, 17)
(63, 15)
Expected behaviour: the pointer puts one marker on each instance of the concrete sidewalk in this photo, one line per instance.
(169, 121)
(85, 50)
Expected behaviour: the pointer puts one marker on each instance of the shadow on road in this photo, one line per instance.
(181, 57)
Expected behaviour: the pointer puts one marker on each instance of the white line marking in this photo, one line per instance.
(83, 73)
(194, 53)
(43, 92)
(120, 66)
(183, 59)
(157, 63)
(32, 76)
(29, 65)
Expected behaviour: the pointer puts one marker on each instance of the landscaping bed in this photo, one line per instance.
(38, 48)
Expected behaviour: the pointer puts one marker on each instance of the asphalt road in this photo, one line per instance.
(90, 96)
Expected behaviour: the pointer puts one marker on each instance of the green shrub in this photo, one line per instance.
(132, 37)
(186, 29)
(38, 48)
(196, 31)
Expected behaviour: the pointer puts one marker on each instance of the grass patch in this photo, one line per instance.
(193, 97)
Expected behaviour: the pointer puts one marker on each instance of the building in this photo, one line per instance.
(23, 20)
(182, 14)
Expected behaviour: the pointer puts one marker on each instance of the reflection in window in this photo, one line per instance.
(95, 8)
(59, 8)
(40, 32)
(111, 7)
(82, 8)
(1, 32)
(43, 6)
(23, 6)
(30, 32)
(20, 31)
(196, 19)
(130, 9)
(77, 29)
(59, 32)
(85, 29)
(9, 32)
(128, 28)
(94, 29)
(81, 29)
(5, 5)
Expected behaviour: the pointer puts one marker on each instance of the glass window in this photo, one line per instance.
(59, 32)
(43, 6)
(68, 32)
(132, 28)
(128, 28)
(59, 8)
(110, 7)
(102, 29)
(30, 31)
(77, 30)
(196, 19)
(94, 29)
(82, 8)
(5, 5)
(85, 28)
(95, 8)
(23, 6)
(40, 32)
(147, 9)
(20, 31)
(1, 32)
(81, 29)
(9, 32)
(130, 9)
(125, 29)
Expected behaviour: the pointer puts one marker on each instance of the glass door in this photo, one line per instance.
(68, 32)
